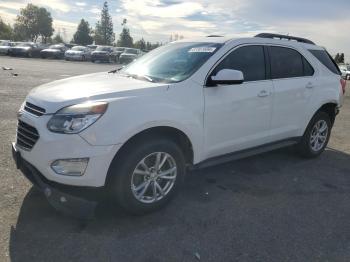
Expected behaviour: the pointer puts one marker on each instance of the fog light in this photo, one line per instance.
(70, 167)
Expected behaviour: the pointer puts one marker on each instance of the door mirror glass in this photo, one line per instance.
(228, 77)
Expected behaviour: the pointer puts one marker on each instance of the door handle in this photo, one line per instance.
(263, 93)
(309, 85)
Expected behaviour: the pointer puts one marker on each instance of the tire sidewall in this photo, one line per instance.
(306, 138)
(123, 168)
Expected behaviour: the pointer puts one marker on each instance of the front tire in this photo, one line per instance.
(316, 136)
(147, 175)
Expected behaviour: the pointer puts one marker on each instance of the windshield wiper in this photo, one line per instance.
(141, 77)
(115, 70)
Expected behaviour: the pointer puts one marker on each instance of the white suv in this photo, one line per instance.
(134, 132)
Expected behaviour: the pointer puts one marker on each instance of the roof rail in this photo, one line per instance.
(215, 36)
(287, 37)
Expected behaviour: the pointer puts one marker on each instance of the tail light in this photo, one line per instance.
(343, 85)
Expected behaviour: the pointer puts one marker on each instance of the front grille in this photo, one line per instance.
(33, 109)
(27, 135)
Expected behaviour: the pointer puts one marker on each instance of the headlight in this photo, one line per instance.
(76, 118)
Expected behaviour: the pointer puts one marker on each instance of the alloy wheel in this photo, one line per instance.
(154, 177)
(319, 135)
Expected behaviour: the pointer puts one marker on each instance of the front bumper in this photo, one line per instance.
(76, 202)
(52, 146)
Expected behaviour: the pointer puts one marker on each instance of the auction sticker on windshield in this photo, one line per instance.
(203, 49)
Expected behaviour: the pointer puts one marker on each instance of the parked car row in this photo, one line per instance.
(93, 53)
(345, 71)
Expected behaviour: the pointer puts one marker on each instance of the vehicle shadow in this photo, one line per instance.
(251, 209)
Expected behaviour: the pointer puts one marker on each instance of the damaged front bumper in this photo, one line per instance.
(78, 202)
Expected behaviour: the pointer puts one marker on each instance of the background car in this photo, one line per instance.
(92, 47)
(54, 51)
(80, 53)
(102, 54)
(27, 49)
(345, 71)
(129, 55)
(5, 47)
(117, 52)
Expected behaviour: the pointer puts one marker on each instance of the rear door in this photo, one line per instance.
(293, 82)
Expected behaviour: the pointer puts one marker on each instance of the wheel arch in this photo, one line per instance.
(171, 133)
(329, 107)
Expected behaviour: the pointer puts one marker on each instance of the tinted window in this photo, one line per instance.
(249, 59)
(326, 59)
(308, 69)
(285, 63)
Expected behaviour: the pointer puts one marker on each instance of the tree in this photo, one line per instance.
(57, 39)
(336, 58)
(83, 34)
(141, 44)
(104, 34)
(6, 31)
(125, 39)
(341, 58)
(33, 22)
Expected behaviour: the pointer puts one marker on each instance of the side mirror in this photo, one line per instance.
(227, 77)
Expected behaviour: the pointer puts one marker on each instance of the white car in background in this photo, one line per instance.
(80, 53)
(193, 103)
(345, 70)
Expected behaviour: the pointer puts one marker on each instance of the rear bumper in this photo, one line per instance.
(79, 202)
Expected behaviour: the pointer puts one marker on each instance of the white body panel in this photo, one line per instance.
(217, 120)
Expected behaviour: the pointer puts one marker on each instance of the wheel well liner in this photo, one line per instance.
(330, 109)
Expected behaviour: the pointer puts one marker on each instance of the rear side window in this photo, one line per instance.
(248, 59)
(285, 63)
(326, 59)
(308, 69)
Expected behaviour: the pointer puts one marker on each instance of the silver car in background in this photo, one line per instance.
(5, 47)
(80, 53)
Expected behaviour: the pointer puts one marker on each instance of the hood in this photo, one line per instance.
(51, 50)
(99, 86)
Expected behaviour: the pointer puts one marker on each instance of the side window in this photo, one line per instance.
(248, 59)
(308, 69)
(285, 63)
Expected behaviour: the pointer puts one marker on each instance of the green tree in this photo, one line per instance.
(57, 39)
(141, 44)
(6, 31)
(125, 39)
(32, 22)
(104, 34)
(83, 34)
(341, 58)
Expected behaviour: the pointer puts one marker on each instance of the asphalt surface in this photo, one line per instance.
(272, 207)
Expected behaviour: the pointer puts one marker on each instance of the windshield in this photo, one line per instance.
(78, 48)
(174, 62)
(103, 48)
(130, 51)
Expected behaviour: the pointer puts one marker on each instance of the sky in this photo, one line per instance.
(325, 22)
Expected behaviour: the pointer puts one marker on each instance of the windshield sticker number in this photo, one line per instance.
(202, 50)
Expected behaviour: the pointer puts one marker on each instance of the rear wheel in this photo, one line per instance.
(316, 136)
(147, 175)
